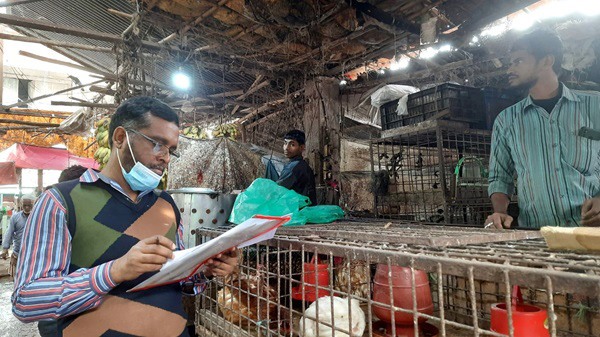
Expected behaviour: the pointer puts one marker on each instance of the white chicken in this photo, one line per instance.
(341, 318)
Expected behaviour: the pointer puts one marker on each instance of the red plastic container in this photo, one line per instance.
(314, 274)
(385, 330)
(528, 320)
(402, 293)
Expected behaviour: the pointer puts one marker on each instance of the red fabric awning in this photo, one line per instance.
(8, 174)
(43, 158)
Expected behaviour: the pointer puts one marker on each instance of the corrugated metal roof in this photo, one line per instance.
(94, 15)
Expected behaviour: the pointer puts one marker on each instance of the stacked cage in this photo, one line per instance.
(377, 279)
(436, 173)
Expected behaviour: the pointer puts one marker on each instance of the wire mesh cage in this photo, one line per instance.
(414, 280)
(438, 173)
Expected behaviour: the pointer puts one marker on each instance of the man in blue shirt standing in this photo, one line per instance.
(541, 141)
(297, 174)
(14, 233)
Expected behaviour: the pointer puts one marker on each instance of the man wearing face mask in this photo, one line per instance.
(14, 233)
(88, 241)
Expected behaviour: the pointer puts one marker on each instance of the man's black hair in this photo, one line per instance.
(134, 113)
(296, 135)
(71, 173)
(541, 43)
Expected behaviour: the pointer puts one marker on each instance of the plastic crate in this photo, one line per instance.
(462, 103)
(495, 100)
(454, 97)
(477, 106)
(389, 118)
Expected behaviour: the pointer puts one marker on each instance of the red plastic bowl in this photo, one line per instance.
(528, 320)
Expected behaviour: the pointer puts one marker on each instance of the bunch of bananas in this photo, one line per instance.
(103, 153)
(226, 131)
(195, 132)
(163, 181)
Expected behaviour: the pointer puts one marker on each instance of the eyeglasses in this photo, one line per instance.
(159, 149)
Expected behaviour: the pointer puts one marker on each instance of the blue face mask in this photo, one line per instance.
(140, 178)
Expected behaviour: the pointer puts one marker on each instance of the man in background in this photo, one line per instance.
(540, 140)
(70, 173)
(14, 233)
(297, 174)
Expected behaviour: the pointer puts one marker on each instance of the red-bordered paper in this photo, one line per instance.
(183, 267)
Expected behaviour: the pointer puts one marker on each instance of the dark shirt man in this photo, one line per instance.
(297, 174)
(14, 233)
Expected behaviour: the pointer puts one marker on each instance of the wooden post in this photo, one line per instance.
(40, 183)
(322, 128)
(20, 179)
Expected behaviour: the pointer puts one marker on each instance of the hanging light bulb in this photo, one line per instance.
(181, 80)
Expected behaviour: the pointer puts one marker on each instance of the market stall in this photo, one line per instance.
(22, 156)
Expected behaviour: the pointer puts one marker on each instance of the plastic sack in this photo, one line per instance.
(266, 197)
(402, 108)
(321, 214)
(390, 93)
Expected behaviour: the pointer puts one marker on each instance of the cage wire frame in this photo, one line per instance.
(458, 270)
(436, 172)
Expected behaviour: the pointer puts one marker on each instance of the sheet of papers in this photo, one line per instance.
(186, 263)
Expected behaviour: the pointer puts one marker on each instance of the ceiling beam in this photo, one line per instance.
(103, 90)
(35, 113)
(54, 43)
(253, 88)
(399, 24)
(19, 21)
(12, 121)
(194, 23)
(227, 94)
(52, 94)
(62, 63)
(84, 104)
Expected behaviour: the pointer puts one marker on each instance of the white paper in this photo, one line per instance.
(184, 262)
(267, 236)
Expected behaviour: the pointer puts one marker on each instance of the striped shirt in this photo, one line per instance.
(43, 287)
(556, 169)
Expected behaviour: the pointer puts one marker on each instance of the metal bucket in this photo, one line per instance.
(201, 207)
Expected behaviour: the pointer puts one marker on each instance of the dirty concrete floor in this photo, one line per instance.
(9, 325)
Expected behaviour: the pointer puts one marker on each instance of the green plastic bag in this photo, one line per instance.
(321, 214)
(266, 197)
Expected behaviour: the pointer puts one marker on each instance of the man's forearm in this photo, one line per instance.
(60, 296)
(500, 202)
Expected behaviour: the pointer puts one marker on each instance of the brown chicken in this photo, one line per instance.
(247, 298)
(356, 275)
